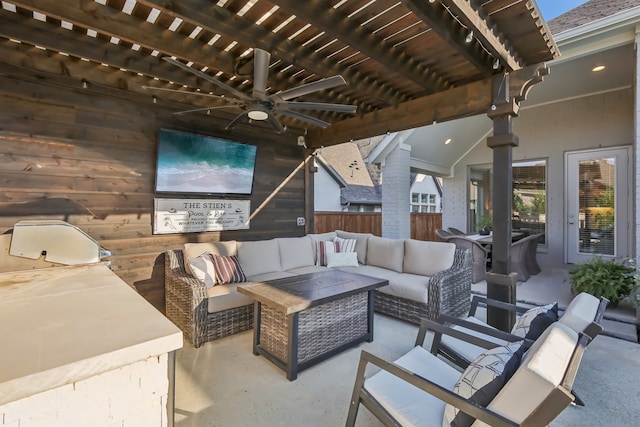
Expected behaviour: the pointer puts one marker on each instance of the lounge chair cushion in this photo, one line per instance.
(464, 348)
(580, 312)
(541, 370)
(406, 403)
(483, 379)
(548, 313)
(225, 297)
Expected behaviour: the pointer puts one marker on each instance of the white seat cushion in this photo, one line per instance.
(224, 297)
(408, 404)
(427, 258)
(295, 252)
(385, 253)
(464, 348)
(262, 256)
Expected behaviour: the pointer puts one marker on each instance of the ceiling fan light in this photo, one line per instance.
(258, 115)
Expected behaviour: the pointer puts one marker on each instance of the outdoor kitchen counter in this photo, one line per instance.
(62, 325)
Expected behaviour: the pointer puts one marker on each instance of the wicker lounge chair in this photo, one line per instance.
(479, 256)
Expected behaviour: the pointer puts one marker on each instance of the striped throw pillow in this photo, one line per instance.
(203, 269)
(323, 249)
(228, 269)
(345, 245)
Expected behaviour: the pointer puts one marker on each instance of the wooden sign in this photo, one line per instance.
(196, 215)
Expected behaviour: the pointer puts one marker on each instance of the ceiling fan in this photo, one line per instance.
(259, 106)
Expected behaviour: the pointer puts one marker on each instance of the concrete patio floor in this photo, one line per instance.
(552, 285)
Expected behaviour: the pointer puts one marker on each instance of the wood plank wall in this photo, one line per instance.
(87, 156)
(423, 225)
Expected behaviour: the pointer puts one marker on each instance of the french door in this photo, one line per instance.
(597, 208)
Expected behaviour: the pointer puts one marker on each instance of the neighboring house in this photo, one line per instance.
(573, 169)
(342, 181)
(345, 182)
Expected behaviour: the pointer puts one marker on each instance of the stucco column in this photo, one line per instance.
(636, 149)
(396, 222)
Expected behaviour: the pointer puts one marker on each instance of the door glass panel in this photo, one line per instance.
(596, 199)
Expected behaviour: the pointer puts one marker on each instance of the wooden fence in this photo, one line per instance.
(423, 225)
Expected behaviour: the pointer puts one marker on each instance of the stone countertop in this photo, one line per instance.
(60, 325)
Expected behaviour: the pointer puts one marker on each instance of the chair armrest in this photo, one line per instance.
(424, 384)
(185, 298)
(486, 330)
(477, 299)
(440, 329)
(449, 290)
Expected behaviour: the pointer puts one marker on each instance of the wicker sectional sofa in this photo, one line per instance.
(425, 279)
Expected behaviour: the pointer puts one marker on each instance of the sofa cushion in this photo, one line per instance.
(203, 269)
(323, 249)
(342, 259)
(320, 237)
(307, 270)
(427, 258)
(361, 243)
(295, 252)
(385, 253)
(262, 256)
(410, 286)
(372, 271)
(225, 297)
(228, 270)
(192, 250)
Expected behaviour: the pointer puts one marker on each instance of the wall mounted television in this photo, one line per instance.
(198, 164)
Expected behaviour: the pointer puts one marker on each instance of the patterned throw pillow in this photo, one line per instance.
(483, 379)
(323, 248)
(228, 269)
(203, 269)
(345, 245)
(549, 314)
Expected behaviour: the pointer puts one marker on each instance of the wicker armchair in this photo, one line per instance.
(449, 293)
(186, 306)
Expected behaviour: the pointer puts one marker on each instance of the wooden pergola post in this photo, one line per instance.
(501, 282)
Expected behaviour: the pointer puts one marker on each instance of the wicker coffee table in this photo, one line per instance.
(302, 320)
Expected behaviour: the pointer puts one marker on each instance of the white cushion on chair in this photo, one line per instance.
(406, 403)
(542, 369)
(464, 348)
(580, 312)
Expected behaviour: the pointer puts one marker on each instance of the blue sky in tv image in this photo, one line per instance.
(190, 163)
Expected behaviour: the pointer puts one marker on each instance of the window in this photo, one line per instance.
(423, 202)
(529, 206)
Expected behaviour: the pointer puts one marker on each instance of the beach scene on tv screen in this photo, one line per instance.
(189, 163)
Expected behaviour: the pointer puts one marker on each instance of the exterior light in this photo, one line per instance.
(598, 68)
(258, 115)
(448, 141)
(469, 37)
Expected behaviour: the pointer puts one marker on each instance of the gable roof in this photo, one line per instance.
(589, 12)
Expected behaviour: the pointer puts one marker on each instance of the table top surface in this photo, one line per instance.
(297, 293)
(488, 239)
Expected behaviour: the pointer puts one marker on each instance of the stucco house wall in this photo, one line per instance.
(547, 132)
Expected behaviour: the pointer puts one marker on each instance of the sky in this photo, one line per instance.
(552, 8)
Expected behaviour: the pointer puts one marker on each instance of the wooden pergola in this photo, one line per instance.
(407, 63)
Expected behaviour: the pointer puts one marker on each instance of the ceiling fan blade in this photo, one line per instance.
(261, 60)
(305, 118)
(327, 83)
(237, 120)
(275, 123)
(195, 110)
(206, 77)
(186, 92)
(340, 108)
